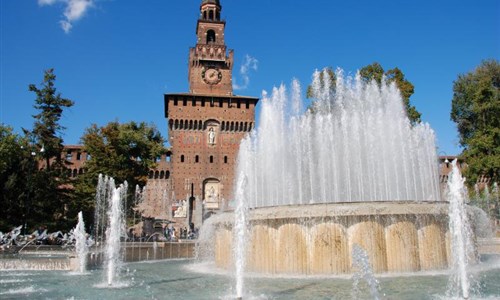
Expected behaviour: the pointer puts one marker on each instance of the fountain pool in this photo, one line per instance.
(184, 279)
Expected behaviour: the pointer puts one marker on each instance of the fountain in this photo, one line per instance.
(110, 222)
(462, 247)
(81, 246)
(331, 178)
(286, 239)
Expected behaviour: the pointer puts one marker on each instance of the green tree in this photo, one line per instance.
(331, 76)
(475, 108)
(125, 152)
(50, 190)
(47, 130)
(13, 178)
(376, 72)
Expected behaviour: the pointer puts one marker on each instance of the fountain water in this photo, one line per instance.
(461, 236)
(110, 221)
(361, 263)
(240, 232)
(343, 149)
(321, 181)
(81, 246)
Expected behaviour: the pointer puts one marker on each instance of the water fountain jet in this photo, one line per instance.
(322, 181)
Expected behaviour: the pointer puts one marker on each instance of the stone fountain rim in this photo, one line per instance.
(341, 209)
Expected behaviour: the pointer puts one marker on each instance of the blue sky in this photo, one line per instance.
(116, 59)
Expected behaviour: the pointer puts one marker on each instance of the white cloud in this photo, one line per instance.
(249, 64)
(74, 10)
(46, 2)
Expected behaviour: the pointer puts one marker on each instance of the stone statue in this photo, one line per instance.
(211, 136)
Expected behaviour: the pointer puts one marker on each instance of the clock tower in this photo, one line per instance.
(210, 62)
(206, 125)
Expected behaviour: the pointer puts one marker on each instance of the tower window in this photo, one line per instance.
(210, 36)
(78, 156)
(182, 158)
(196, 159)
(211, 159)
(225, 159)
(211, 15)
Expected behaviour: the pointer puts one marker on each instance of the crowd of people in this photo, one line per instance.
(171, 235)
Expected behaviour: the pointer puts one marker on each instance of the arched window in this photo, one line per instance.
(190, 124)
(162, 174)
(182, 158)
(205, 15)
(167, 174)
(210, 36)
(157, 174)
(223, 126)
(211, 159)
(75, 172)
(211, 15)
(196, 159)
(225, 159)
(151, 174)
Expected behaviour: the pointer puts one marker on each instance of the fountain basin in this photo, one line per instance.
(318, 239)
(38, 260)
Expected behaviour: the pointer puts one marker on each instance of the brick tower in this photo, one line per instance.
(206, 125)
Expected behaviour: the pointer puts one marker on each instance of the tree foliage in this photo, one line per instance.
(376, 72)
(476, 111)
(125, 152)
(48, 183)
(13, 178)
(47, 130)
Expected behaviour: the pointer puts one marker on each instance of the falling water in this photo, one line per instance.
(81, 246)
(110, 225)
(355, 143)
(114, 231)
(462, 249)
(240, 223)
(363, 270)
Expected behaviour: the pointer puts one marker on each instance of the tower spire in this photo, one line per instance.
(210, 10)
(210, 62)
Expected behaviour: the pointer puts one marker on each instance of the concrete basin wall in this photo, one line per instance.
(318, 239)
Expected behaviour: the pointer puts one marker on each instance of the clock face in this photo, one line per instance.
(211, 75)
